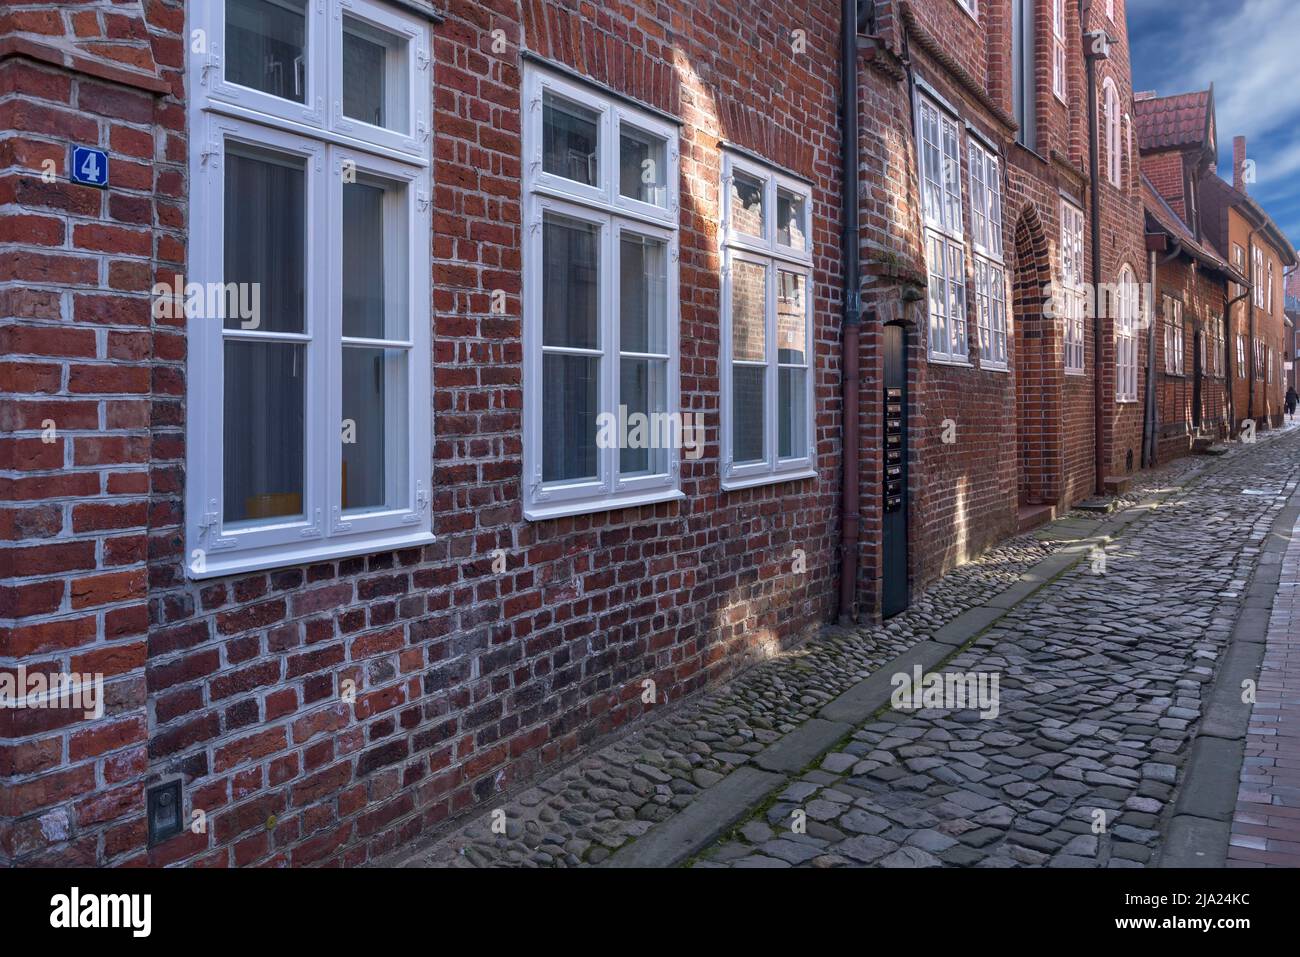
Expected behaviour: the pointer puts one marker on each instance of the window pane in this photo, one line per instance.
(374, 429)
(263, 441)
(643, 289)
(265, 243)
(792, 412)
(746, 205)
(375, 260)
(570, 138)
(266, 46)
(375, 76)
(570, 283)
(748, 310)
(570, 393)
(643, 166)
(790, 219)
(747, 394)
(792, 318)
(643, 390)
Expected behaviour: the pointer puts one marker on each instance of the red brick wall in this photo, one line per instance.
(467, 681)
(88, 407)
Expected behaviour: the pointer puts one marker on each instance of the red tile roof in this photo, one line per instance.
(1173, 121)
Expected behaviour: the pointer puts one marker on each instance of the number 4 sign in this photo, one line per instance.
(89, 166)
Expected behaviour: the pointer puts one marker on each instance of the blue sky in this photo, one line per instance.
(1250, 50)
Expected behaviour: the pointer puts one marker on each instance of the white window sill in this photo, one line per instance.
(1077, 373)
(995, 367)
(218, 565)
(767, 478)
(947, 361)
(544, 512)
(1126, 401)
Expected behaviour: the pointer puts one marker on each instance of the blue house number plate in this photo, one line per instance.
(89, 166)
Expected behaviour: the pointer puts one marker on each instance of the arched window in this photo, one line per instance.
(1110, 106)
(1127, 305)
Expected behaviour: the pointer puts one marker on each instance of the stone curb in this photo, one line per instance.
(701, 822)
(1201, 826)
(720, 807)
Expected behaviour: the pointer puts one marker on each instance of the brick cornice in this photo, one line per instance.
(22, 46)
(973, 87)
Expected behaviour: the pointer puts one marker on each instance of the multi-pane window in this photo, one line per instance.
(1218, 341)
(1241, 356)
(1238, 260)
(1111, 129)
(767, 332)
(309, 431)
(1058, 49)
(601, 422)
(1257, 260)
(1073, 298)
(1127, 305)
(938, 143)
(1174, 335)
(1259, 358)
(1269, 304)
(986, 245)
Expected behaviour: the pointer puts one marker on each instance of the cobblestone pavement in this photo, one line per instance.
(1266, 825)
(1101, 677)
(1100, 680)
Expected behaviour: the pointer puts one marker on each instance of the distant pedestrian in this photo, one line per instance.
(1292, 397)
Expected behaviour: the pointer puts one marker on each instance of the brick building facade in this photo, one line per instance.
(334, 644)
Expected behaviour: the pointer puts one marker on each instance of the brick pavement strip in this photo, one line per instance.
(1103, 667)
(1265, 804)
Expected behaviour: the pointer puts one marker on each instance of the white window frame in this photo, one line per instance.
(223, 113)
(1074, 292)
(1257, 257)
(1110, 106)
(1110, 10)
(971, 7)
(948, 334)
(1059, 59)
(1241, 355)
(603, 206)
(1127, 305)
(1175, 337)
(991, 316)
(774, 257)
(1269, 306)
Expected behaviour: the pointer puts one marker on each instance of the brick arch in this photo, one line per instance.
(1038, 364)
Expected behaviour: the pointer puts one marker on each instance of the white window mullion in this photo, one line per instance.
(771, 422)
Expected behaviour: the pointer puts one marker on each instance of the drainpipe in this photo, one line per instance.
(849, 362)
(1149, 413)
(1096, 47)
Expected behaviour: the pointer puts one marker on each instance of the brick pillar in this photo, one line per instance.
(76, 405)
(1239, 162)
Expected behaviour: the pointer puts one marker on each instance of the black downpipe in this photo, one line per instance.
(851, 519)
(1094, 171)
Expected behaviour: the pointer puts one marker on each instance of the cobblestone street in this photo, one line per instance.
(1102, 668)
